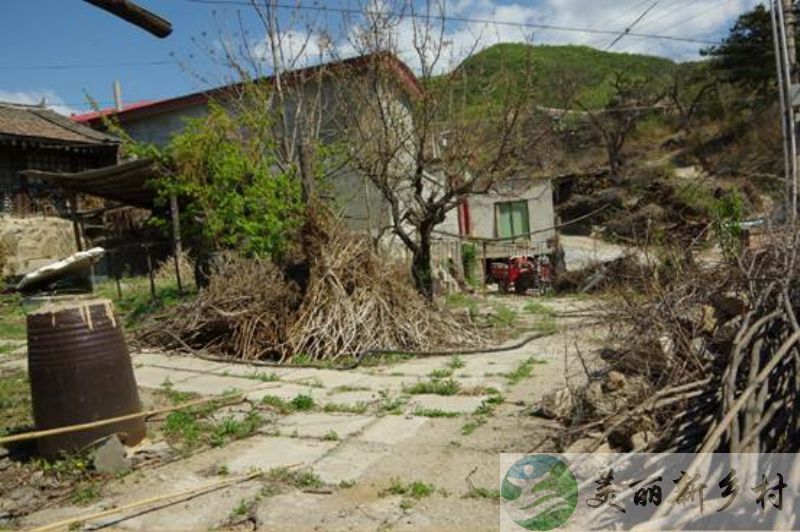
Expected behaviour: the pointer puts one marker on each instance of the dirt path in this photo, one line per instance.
(378, 450)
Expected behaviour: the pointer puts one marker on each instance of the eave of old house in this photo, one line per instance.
(126, 183)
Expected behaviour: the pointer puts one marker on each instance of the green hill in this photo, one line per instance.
(556, 71)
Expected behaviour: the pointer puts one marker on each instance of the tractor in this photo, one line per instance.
(521, 273)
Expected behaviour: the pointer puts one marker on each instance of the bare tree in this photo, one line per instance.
(425, 152)
(630, 100)
(688, 93)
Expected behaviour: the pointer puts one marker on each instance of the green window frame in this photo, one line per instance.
(511, 219)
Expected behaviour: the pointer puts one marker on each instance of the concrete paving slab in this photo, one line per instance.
(388, 383)
(149, 377)
(287, 392)
(250, 371)
(420, 367)
(320, 425)
(214, 384)
(204, 512)
(350, 398)
(185, 363)
(349, 461)
(263, 452)
(327, 377)
(477, 383)
(390, 430)
(459, 404)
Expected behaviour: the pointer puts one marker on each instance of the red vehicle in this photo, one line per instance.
(521, 273)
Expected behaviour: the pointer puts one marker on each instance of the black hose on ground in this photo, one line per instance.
(359, 357)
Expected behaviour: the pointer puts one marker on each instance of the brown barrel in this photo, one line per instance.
(80, 371)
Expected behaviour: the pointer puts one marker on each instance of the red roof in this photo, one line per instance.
(404, 75)
(94, 115)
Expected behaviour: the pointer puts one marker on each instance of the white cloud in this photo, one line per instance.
(35, 97)
(706, 20)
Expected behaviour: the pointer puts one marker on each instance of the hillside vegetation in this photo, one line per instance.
(558, 72)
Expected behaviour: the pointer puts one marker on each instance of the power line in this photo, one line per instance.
(634, 23)
(613, 20)
(672, 12)
(522, 25)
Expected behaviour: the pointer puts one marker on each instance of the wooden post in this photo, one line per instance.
(176, 238)
(150, 270)
(484, 271)
(72, 203)
(116, 271)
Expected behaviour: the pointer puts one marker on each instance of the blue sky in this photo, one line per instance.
(60, 49)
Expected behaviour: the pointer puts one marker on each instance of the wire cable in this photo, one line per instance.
(452, 18)
(634, 23)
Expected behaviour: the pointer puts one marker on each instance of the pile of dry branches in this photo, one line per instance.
(707, 361)
(339, 299)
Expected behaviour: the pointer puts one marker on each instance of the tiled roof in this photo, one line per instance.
(40, 124)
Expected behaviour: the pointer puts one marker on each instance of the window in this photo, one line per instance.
(511, 219)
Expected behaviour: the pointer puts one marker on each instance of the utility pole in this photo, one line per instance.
(783, 28)
(788, 13)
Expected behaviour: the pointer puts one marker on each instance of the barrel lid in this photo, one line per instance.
(83, 307)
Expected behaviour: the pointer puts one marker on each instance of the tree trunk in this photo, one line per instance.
(421, 269)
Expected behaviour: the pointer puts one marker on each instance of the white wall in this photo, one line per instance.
(541, 213)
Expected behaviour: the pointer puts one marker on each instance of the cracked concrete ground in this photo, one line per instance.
(361, 455)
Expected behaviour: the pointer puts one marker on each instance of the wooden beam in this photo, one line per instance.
(138, 16)
(176, 237)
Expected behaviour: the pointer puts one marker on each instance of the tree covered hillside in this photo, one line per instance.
(558, 73)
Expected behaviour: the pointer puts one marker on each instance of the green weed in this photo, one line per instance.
(434, 386)
(303, 402)
(522, 371)
(433, 412)
(358, 408)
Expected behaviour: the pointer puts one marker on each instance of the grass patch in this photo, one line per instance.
(300, 403)
(546, 325)
(230, 428)
(172, 395)
(470, 427)
(15, 403)
(12, 318)
(136, 302)
(341, 389)
(193, 427)
(540, 309)
(241, 509)
(296, 479)
(435, 387)
(331, 435)
(521, 372)
(358, 408)
(264, 377)
(456, 363)
(441, 373)
(389, 405)
(85, 493)
(479, 492)
(434, 412)
(303, 402)
(503, 316)
(416, 489)
(459, 300)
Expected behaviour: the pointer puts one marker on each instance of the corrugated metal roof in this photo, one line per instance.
(126, 182)
(38, 123)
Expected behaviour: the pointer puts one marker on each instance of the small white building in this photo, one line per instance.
(516, 216)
